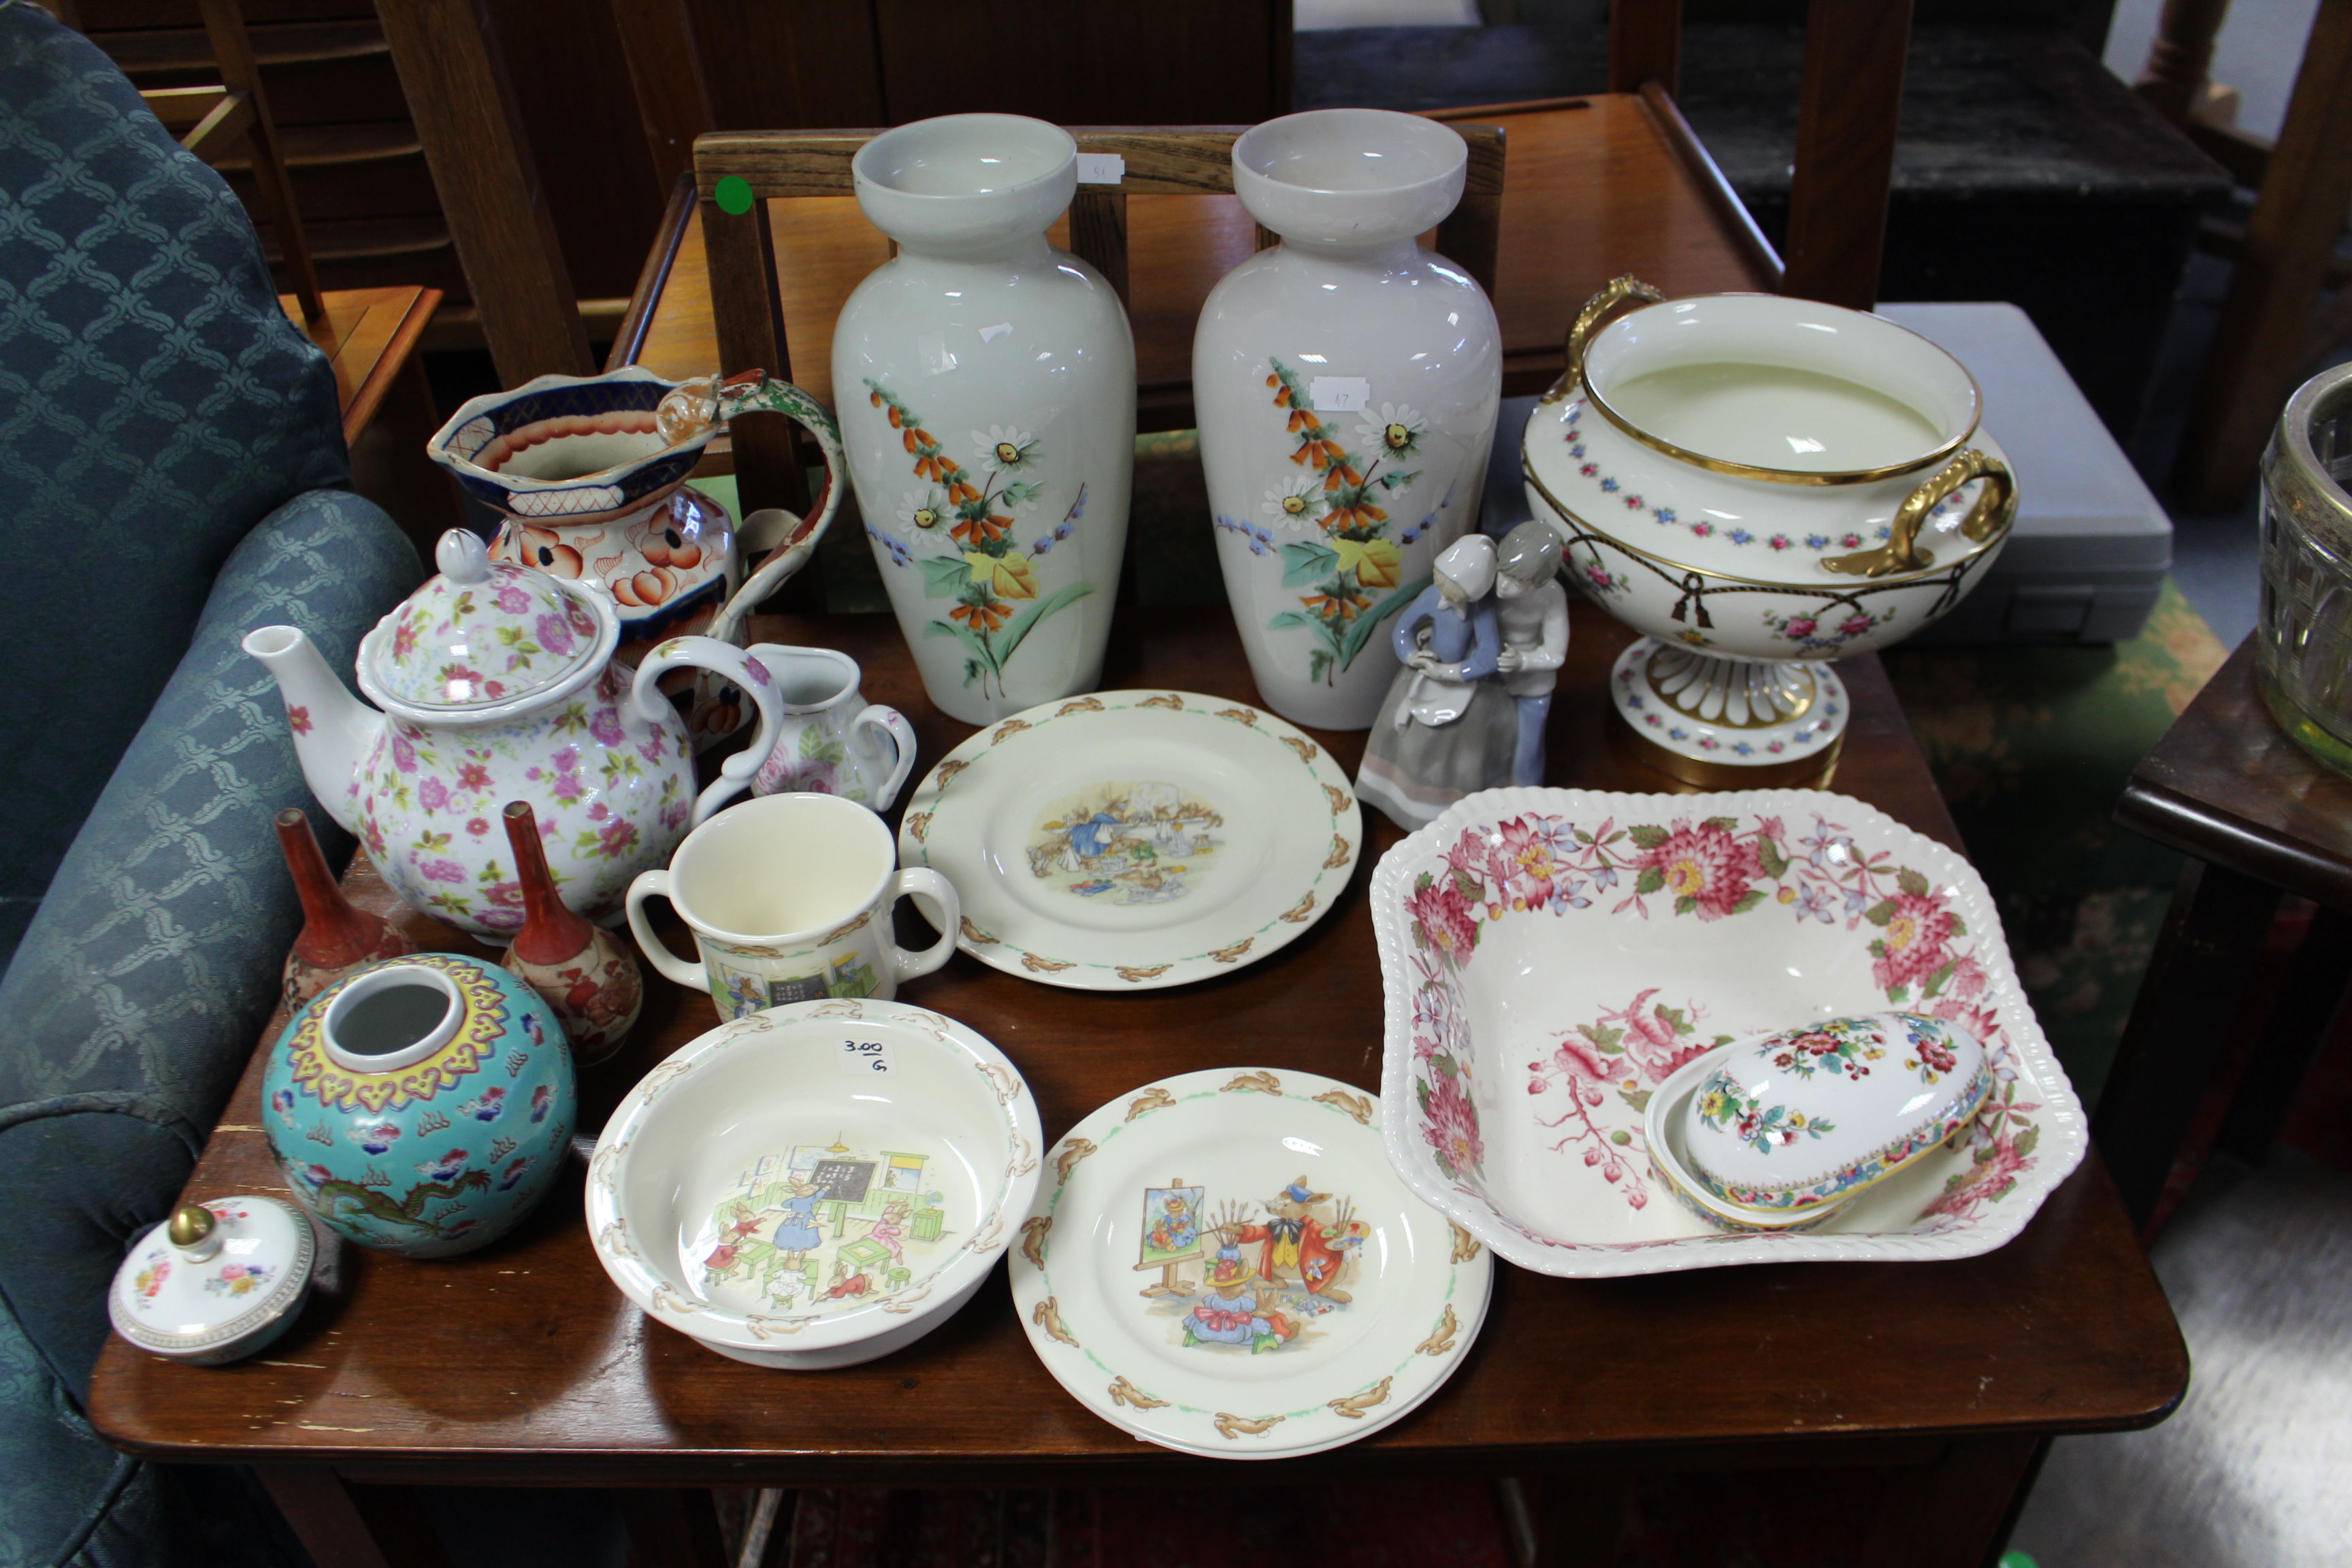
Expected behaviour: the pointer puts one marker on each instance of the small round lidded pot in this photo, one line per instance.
(216, 1281)
(421, 1106)
(1780, 1132)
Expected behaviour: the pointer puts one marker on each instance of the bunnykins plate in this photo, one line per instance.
(1134, 839)
(1223, 1263)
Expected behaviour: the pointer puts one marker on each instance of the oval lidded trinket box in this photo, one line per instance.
(421, 1106)
(1784, 1131)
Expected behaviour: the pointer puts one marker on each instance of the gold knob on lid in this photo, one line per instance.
(191, 1223)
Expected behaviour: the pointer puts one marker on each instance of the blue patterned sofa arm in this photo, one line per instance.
(132, 1004)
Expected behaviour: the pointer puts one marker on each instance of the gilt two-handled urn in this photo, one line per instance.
(1760, 485)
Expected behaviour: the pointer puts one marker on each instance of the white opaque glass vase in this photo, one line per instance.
(986, 388)
(1347, 384)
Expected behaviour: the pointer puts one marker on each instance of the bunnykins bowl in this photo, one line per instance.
(816, 1184)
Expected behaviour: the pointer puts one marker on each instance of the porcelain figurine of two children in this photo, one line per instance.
(1481, 646)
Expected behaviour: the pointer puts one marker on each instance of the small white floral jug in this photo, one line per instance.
(827, 738)
(492, 683)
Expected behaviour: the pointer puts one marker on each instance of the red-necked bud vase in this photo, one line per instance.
(337, 935)
(588, 976)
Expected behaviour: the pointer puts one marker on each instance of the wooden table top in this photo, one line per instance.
(1590, 191)
(2228, 787)
(368, 335)
(522, 1362)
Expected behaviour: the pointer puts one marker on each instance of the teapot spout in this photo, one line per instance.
(333, 728)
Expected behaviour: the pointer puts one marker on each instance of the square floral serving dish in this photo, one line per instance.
(1550, 957)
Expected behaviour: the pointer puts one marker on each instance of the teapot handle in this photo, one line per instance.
(748, 673)
(752, 392)
(1587, 320)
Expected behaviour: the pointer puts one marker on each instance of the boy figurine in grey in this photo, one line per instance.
(1533, 609)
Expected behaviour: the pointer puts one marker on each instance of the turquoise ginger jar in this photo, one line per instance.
(421, 1106)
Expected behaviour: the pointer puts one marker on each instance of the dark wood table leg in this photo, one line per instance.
(672, 1527)
(2307, 1006)
(2023, 1495)
(1956, 1513)
(2211, 940)
(1579, 1519)
(324, 1516)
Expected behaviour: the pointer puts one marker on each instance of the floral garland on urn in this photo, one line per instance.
(985, 572)
(1824, 633)
(1702, 528)
(1714, 868)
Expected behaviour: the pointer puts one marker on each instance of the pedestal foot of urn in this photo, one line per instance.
(1723, 723)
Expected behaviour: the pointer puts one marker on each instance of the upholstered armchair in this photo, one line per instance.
(172, 473)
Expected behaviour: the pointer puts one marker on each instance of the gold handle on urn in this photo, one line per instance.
(1989, 519)
(1597, 309)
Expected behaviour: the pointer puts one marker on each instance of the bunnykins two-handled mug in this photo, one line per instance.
(789, 897)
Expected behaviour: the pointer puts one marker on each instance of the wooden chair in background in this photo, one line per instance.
(483, 164)
(747, 311)
(1851, 93)
(371, 336)
(2269, 339)
(1851, 97)
(218, 120)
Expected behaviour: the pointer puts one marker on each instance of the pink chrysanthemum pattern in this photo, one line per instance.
(1706, 870)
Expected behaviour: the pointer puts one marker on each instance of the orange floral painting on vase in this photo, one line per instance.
(986, 573)
(1352, 568)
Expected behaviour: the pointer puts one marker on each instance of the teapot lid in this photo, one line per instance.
(480, 633)
(214, 1277)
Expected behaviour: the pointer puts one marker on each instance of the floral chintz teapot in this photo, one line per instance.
(497, 682)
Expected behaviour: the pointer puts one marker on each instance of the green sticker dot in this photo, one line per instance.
(733, 193)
